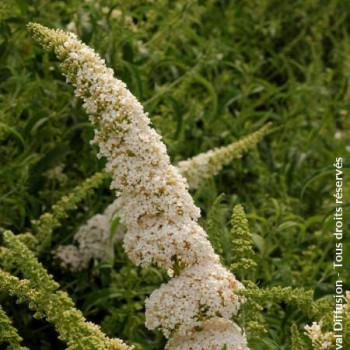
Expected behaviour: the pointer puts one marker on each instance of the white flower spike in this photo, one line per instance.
(154, 204)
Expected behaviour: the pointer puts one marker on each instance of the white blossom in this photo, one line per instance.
(200, 292)
(213, 335)
(70, 258)
(194, 169)
(154, 203)
(94, 240)
(319, 339)
(322, 340)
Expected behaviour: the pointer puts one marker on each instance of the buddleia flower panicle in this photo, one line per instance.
(40, 238)
(296, 341)
(28, 264)
(154, 203)
(211, 336)
(95, 236)
(206, 165)
(8, 333)
(242, 243)
(200, 292)
(321, 333)
(58, 309)
(39, 291)
(44, 226)
(320, 340)
(95, 240)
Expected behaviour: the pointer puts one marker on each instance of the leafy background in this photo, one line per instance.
(208, 72)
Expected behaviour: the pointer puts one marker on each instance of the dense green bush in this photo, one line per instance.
(209, 73)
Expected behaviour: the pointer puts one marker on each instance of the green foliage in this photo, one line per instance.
(123, 299)
(208, 72)
(214, 227)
